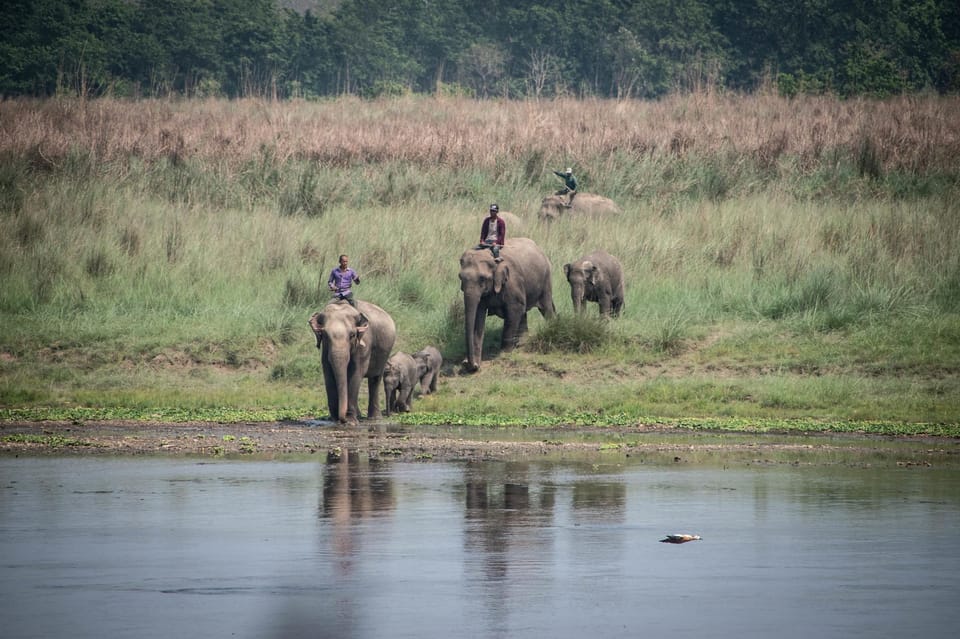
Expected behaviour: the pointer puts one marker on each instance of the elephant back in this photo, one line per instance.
(525, 256)
(608, 263)
(524, 250)
(554, 206)
(512, 221)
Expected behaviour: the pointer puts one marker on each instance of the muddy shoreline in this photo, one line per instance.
(271, 439)
(389, 442)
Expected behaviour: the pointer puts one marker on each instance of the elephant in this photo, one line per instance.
(355, 343)
(429, 360)
(399, 379)
(507, 289)
(553, 206)
(597, 277)
(513, 221)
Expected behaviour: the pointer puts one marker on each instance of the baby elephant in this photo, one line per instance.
(597, 277)
(399, 378)
(429, 361)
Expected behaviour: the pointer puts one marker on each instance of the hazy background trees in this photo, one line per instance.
(515, 48)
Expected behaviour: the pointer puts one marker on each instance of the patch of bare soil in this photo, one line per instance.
(255, 439)
(378, 441)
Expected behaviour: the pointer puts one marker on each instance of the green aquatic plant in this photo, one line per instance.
(248, 445)
(52, 441)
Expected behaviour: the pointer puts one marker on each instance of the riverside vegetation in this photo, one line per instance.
(790, 264)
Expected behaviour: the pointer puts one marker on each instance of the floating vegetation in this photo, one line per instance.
(50, 441)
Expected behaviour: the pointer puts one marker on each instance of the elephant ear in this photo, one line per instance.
(594, 271)
(566, 270)
(500, 277)
(362, 324)
(316, 324)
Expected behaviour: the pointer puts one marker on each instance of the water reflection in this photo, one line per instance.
(355, 547)
(508, 514)
(352, 490)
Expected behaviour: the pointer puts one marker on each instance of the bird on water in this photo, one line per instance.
(680, 538)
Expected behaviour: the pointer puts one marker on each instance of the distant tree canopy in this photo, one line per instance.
(503, 48)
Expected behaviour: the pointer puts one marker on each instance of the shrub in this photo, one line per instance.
(571, 334)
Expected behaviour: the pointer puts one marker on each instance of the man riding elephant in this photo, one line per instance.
(355, 343)
(555, 206)
(507, 288)
(569, 185)
(493, 232)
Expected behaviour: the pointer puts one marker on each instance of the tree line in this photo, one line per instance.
(495, 48)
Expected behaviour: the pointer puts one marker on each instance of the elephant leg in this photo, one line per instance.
(508, 338)
(353, 410)
(373, 390)
(514, 326)
(388, 398)
(548, 309)
(330, 385)
(480, 324)
(604, 303)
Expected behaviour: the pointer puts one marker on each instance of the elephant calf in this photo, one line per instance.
(399, 378)
(428, 361)
(597, 277)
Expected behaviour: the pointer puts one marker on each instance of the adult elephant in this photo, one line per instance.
(514, 223)
(355, 343)
(507, 289)
(553, 206)
(597, 277)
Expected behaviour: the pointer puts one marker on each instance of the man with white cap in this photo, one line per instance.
(569, 185)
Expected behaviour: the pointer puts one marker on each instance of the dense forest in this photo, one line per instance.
(497, 48)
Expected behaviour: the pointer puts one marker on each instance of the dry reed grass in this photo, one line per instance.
(912, 134)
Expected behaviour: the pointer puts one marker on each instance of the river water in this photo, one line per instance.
(161, 547)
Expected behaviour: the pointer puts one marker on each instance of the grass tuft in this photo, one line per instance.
(571, 334)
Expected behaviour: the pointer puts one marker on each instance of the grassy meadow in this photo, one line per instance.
(789, 263)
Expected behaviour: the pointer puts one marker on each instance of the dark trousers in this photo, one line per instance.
(494, 248)
(346, 296)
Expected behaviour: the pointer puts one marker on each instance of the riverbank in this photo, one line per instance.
(381, 441)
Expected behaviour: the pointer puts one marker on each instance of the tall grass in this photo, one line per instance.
(190, 234)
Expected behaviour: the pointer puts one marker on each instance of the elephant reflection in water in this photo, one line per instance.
(595, 502)
(352, 491)
(503, 520)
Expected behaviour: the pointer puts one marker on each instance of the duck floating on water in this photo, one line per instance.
(680, 538)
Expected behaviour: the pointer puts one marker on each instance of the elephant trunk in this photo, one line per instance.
(471, 306)
(339, 365)
(576, 296)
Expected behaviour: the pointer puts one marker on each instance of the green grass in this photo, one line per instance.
(795, 298)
